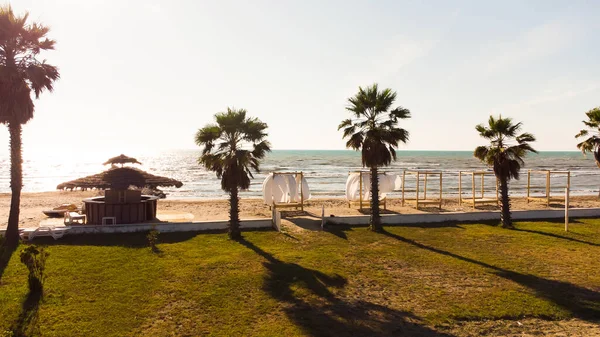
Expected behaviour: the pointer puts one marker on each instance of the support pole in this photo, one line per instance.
(548, 188)
(473, 187)
(528, 184)
(403, 180)
(566, 209)
(460, 188)
(417, 198)
(441, 190)
(349, 201)
(360, 197)
(425, 187)
(274, 204)
(301, 192)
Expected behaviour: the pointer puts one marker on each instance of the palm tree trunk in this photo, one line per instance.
(16, 184)
(375, 221)
(234, 215)
(505, 204)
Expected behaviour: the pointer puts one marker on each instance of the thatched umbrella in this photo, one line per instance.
(120, 178)
(122, 159)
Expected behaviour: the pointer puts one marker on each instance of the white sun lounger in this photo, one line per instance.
(56, 233)
(71, 217)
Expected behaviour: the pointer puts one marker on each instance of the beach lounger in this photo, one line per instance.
(59, 211)
(74, 217)
(29, 234)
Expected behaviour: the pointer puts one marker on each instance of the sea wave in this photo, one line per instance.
(326, 171)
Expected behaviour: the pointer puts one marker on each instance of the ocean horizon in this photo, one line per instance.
(325, 170)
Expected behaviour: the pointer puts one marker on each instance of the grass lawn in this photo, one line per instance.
(346, 281)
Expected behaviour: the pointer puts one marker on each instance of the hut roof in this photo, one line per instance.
(122, 159)
(120, 178)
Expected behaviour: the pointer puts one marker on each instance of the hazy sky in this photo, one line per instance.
(147, 74)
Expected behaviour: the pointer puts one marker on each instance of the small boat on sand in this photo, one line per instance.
(59, 212)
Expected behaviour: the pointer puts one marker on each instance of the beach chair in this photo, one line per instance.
(29, 234)
(74, 217)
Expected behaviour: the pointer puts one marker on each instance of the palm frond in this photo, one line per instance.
(374, 128)
(505, 159)
(21, 72)
(582, 133)
(224, 149)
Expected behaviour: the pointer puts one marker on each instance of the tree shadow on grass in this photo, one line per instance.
(28, 321)
(308, 302)
(557, 236)
(130, 240)
(445, 224)
(310, 222)
(5, 255)
(338, 230)
(560, 221)
(581, 302)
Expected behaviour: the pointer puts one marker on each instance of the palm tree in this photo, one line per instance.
(21, 72)
(592, 143)
(504, 156)
(373, 130)
(233, 147)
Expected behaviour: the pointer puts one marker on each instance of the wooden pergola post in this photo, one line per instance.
(473, 187)
(441, 188)
(548, 188)
(301, 191)
(528, 184)
(403, 180)
(425, 186)
(417, 199)
(460, 188)
(361, 191)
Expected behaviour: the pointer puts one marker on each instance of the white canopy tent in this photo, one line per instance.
(358, 187)
(285, 189)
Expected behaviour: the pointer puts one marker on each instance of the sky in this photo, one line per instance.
(146, 75)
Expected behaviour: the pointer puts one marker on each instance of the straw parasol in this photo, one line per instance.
(119, 178)
(122, 159)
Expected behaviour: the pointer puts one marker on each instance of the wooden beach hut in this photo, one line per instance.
(119, 204)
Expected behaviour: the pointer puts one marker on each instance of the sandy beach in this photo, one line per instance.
(32, 205)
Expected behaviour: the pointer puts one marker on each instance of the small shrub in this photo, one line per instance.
(34, 258)
(7, 333)
(153, 240)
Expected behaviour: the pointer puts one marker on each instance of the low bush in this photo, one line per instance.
(34, 258)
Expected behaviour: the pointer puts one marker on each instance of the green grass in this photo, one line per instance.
(408, 280)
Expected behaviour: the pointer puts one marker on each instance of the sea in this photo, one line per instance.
(325, 171)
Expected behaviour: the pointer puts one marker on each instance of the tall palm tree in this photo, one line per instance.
(592, 143)
(373, 129)
(21, 72)
(504, 156)
(233, 147)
